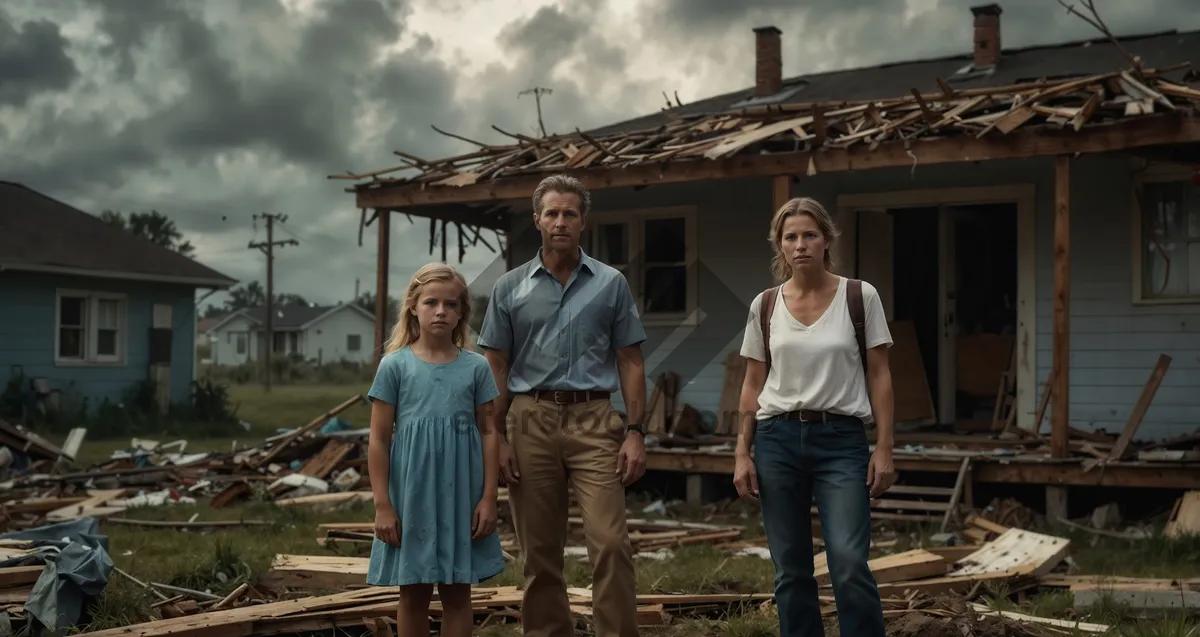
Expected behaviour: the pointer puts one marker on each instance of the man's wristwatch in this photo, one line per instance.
(638, 428)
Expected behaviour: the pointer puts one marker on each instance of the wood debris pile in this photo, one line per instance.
(919, 581)
(1074, 103)
(303, 466)
(646, 535)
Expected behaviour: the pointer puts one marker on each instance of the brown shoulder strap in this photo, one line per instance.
(858, 316)
(764, 319)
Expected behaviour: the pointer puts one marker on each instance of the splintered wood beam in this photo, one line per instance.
(1168, 128)
(1061, 415)
(381, 280)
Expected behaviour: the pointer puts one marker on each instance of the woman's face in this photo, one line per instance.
(803, 243)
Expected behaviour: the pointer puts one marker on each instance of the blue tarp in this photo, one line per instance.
(77, 568)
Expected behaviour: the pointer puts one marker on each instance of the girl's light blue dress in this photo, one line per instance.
(436, 471)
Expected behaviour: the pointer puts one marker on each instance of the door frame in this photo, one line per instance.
(1024, 196)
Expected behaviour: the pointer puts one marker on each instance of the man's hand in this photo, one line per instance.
(631, 461)
(745, 477)
(881, 473)
(508, 464)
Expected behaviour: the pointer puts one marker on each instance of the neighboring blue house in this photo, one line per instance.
(90, 310)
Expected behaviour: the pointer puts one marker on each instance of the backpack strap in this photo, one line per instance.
(858, 316)
(765, 309)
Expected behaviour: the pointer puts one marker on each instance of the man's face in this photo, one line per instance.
(561, 222)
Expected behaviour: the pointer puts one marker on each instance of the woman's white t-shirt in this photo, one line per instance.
(816, 366)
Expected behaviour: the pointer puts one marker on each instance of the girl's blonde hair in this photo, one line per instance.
(780, 268)
(407, 329)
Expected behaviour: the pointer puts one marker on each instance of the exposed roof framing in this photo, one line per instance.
(1105, 112)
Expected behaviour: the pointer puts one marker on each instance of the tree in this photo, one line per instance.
(154, 226)
(253, 294)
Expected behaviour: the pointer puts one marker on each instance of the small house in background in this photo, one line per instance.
(320, 333)
(91, 310)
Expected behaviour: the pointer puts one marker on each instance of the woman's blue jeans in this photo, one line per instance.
(799, 461)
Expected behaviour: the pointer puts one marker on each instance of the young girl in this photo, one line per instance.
(433, 458)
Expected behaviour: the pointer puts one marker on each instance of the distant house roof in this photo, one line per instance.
(206, 324)
(39, 233)
(290, 317)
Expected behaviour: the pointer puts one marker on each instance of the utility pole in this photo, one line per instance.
(268, 248)
(537, 92)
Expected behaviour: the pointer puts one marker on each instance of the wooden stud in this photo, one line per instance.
(381, 280)
(1061, 414)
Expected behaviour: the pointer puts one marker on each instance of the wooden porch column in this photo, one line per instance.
(1061, 414)
(1056, 496)
(781, 191)
(383, 216)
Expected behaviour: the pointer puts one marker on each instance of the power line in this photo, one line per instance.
(268, 248)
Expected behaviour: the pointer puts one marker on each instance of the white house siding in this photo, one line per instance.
(326, 340)
(225, 348)
(1114, 344)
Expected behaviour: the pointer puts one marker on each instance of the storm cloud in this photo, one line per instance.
(213, 111)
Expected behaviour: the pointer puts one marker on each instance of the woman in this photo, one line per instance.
(806, 400)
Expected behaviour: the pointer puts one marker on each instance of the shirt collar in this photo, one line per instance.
(586, 262)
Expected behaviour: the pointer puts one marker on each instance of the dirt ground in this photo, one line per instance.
(966, 625)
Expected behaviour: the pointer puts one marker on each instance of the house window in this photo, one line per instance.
(241, 342)
(656, 251)
(353, 342)
(279, 342)
(1169, 245)
(91, 328)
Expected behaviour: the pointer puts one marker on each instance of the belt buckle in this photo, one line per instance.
(557, 400)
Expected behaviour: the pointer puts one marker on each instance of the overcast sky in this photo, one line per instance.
(213, 110)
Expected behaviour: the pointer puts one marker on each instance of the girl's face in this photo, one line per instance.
(803, 242)
(437, 308)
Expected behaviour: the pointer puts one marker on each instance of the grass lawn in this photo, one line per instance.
(218, 561)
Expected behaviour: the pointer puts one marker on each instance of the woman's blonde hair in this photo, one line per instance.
(407, 329)
(780, 268)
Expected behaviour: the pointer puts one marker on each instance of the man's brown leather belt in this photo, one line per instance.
(567, 396)
(809, 415)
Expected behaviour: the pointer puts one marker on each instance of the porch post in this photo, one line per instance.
(383, 216)
(1056, 496)
(781, 191)
(1060, 416)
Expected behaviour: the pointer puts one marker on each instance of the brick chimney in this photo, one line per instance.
(987, 35)
(768, 62)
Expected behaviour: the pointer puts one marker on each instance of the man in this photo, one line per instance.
(561, 333)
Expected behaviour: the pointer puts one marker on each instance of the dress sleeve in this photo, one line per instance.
(485, 383)
(386, 386)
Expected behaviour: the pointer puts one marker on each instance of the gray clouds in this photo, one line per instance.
(212, 111)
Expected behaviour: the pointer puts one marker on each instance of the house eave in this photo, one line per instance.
(199, 282)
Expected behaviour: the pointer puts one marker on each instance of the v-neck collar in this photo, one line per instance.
(781, 303)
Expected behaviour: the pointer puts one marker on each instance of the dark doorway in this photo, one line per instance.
(915, 272)
(986, 305)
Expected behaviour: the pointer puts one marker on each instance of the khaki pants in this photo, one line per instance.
(579, 443)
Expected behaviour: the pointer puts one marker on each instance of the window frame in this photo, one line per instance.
(1154, 174)
(634, 221)
(354, 348)
(90, 355)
